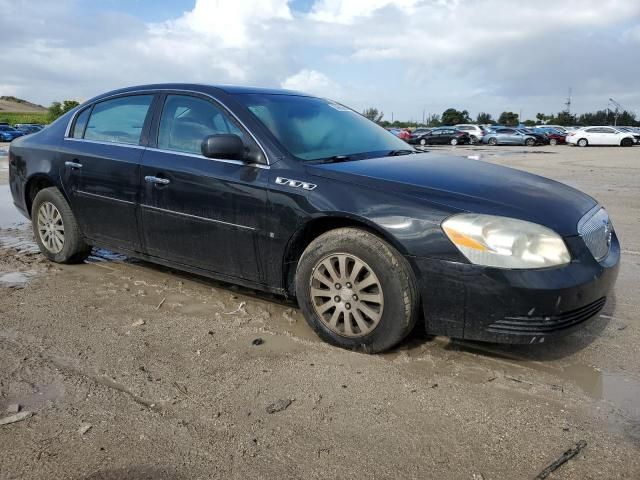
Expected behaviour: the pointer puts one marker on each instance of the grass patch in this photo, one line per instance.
(13, 117)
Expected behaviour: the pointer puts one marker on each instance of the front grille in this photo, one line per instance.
(538, 325)
(596, 229)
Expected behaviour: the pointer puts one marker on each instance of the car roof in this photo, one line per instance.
(202, 88)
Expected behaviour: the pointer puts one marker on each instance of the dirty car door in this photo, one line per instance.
(101, 155)
(197, 211)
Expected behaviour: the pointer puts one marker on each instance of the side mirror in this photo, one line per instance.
(226, 146)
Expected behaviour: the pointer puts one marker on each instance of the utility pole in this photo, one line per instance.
(616, 112)
(567, 104)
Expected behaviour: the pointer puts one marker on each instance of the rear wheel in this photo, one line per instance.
(553, 142)
(474, 139)
(626, 142)
(423, 142)
(356, 291)
(454, 141)
(583, 142)
(492, 141)
(55, 228)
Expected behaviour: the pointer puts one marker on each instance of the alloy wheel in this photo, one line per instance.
(346, 294)
(51, 227)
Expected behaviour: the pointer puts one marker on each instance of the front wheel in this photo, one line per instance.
(553, 142)
(529, 142)
(423, 142)
(55, 228)
(492, 141)
(356, 291)
(583, 142)
(626, 142)
(454, 141)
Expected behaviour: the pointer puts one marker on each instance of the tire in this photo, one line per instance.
(454, 141)
(474, 140)
(626, 142)
(530, 142)
(553, 142)
(56, 229)
(492, 141)
(423, 142)
(582, 142)
(391, 310)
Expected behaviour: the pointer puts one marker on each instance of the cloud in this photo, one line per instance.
(401, 56)
(313, 82)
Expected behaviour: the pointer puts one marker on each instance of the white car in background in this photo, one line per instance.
(476, 132)
(600, 136)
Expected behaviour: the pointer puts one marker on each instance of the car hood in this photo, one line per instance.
(463, 184)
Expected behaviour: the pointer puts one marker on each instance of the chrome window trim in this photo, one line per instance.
(156, 91)
(202, 157)
(99, 142)
(82, 192)
(188, 215)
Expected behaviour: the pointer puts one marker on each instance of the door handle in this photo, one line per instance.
(73, 164)
(157, 180)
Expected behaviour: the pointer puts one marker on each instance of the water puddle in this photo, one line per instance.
(10, 217)
(14, 279)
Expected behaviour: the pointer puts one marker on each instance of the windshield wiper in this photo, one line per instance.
(333, 159)
(397, 153)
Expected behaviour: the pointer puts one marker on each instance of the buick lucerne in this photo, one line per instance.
(301, 196)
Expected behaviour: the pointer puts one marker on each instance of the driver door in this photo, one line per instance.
(198, 211)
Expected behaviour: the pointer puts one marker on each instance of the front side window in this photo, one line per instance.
(314, 129)
(187, 121)
(119, 120)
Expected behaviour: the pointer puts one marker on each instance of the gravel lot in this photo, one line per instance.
(134, 371)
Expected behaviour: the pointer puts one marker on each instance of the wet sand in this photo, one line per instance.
(161, 365)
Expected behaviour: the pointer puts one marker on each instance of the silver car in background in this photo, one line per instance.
(509, 136)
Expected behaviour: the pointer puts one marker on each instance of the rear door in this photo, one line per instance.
(197, 211)
(102, 155)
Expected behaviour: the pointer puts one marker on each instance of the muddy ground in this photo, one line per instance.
(134, 371)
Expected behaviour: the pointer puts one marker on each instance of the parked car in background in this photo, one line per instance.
(296, 195)
(553, 136)
(8, 133)
(603, 135)
(395, 131)
(417, 134)
(476, 132)
(444, 136)
(27, 129)
(510, 136)
(541, 138)
(404, 134)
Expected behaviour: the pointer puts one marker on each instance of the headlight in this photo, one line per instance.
(505, 242)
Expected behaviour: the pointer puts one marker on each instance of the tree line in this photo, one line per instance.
(451, 116)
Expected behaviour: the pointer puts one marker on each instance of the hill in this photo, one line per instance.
(18, 105)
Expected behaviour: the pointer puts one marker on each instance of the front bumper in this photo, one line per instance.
(515, 306)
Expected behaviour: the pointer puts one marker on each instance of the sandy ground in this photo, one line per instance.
(134, 371)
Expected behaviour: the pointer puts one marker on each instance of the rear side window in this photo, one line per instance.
(187, 121)
(119, 120)
(81, 123)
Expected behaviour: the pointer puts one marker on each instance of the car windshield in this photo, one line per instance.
(316, 129)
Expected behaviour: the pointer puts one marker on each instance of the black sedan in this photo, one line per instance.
(301, 196)
(441, 136)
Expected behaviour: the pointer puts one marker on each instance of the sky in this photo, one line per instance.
(408, 58)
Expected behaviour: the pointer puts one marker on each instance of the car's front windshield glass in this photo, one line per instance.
(314, 129)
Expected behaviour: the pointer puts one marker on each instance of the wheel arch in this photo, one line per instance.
(34, 184)
(315, 227)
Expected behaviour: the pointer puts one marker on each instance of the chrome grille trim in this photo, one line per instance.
(596, 230)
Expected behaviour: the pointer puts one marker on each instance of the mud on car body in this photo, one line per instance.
(293, 194)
